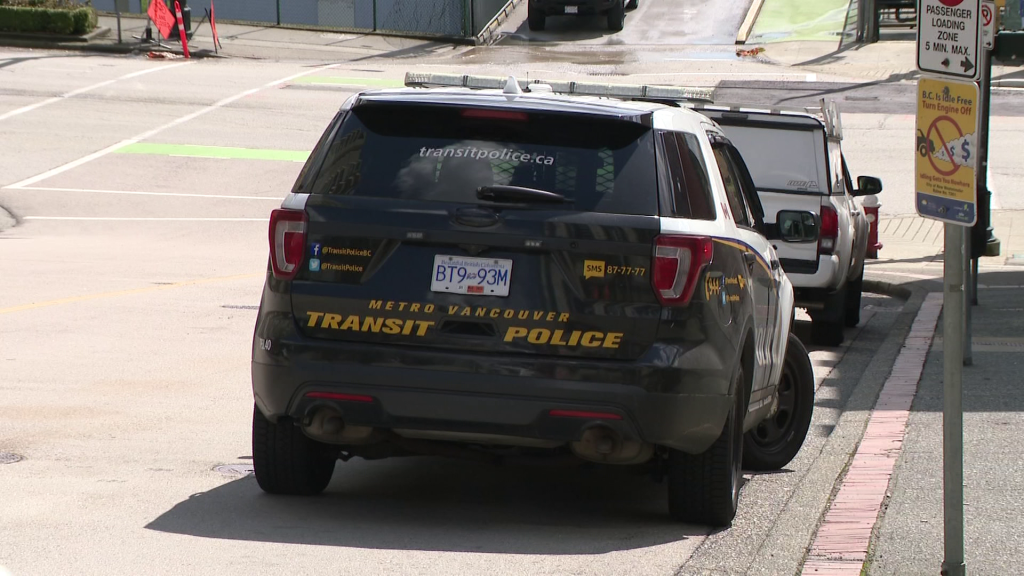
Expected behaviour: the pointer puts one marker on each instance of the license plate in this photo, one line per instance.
(474, 276)
(572, 9)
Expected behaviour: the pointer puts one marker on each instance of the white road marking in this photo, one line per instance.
(150, 133)
(139, 193)
(144, 219)
(66, 95)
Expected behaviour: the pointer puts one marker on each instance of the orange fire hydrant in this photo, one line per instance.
(871, 207)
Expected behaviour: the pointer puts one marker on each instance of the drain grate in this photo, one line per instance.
(239, 307)
(9, 458)
(234, 469)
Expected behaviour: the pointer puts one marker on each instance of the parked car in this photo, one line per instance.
(515, 269)
(614, 10)
(796, 159)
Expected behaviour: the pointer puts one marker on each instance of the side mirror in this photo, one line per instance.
(797, 226)
(867, 186)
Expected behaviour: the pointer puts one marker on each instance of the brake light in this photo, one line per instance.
(829, 230)
(287, 242)
(678, 263)
(494, 114)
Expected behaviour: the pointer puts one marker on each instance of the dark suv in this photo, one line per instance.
(483, 273)
(615, 10)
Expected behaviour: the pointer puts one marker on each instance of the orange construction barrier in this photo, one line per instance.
(181, 28)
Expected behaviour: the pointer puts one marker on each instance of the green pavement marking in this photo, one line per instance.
(213, 152)
(789, 20)
(379, 82)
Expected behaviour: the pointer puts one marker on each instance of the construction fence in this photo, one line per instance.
(448, 18)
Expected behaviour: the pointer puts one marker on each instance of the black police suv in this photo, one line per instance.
(488, 273)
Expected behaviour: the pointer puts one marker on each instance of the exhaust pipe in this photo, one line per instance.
(329, 427)
(604, 445)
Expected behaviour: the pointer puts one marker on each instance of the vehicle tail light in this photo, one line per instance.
(829, 230)
(487, 114)
(678, 263)
(287, 242)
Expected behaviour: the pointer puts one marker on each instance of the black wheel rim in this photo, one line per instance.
(774, 432)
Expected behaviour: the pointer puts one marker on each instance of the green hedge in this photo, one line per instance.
(54, 21)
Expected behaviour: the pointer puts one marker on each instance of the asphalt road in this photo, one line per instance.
(127, 302)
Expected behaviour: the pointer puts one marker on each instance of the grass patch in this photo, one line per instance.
(66, 17)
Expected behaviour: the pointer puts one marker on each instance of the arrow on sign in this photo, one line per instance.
(967, 64)
(945, 63)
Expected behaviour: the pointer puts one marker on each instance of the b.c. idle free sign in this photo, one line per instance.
(946, 150)
(949, 37)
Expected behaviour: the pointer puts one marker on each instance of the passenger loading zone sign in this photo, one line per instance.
(946, 150)
(949, 37)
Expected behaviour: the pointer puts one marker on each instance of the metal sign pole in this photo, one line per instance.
(968, 293)
(952, 415)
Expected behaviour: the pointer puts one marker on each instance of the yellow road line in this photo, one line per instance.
(131, 292)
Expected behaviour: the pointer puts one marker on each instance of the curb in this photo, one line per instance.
(41, 37)
(106, 48)
(888, 289)
(748, 23)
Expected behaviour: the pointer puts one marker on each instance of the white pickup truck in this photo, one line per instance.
(796, 159)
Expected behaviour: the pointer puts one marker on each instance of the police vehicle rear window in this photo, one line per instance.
(444, 153)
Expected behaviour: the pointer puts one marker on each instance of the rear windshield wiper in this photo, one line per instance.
(517, 194)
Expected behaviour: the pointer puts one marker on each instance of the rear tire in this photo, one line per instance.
(774, 442)
(827, 325)
(705, 488)
(853, 292)
(285, 461)
(632, 4)
(827, 333)
(536, 20)
(617, 16)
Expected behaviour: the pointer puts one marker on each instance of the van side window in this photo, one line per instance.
(686, 177)
(835, 166)
(733, 187)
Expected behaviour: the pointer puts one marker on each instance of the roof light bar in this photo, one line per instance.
(620, 91)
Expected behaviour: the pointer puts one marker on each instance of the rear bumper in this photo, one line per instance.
(811, 288)
(557, 7)
(682, 403)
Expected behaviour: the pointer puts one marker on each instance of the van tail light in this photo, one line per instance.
(829, 230)
(678, 263)
(287, 242)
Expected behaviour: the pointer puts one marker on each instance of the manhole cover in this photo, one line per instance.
(9, 458)
(234, 469)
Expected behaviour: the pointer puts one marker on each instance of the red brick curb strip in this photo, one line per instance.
(840, 546)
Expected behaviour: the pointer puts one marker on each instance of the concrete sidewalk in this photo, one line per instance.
(909, 537)
(907, 533)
